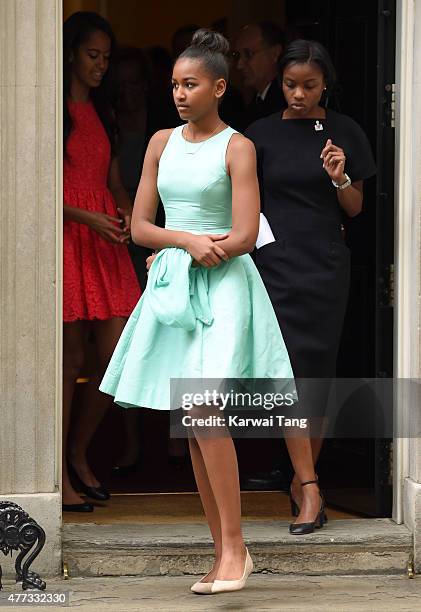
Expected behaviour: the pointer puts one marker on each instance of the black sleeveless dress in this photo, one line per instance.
(307, 269)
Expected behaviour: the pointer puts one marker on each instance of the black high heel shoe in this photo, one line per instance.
(98, 493)
(295, 508)
(320, 520)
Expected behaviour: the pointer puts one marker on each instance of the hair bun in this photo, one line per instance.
(212, 41)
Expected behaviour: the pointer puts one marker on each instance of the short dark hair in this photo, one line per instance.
(302, 51)
(272, 34)
(211, 48)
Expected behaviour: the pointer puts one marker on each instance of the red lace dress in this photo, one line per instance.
(99, 278)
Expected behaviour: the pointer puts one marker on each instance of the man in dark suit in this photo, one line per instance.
(257, 51)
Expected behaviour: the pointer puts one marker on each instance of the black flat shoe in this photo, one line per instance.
(86, 507)
(319, 521)
(98, 493)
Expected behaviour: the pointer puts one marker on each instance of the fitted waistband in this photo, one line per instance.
(195, 230)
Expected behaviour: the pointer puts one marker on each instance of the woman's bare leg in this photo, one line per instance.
(73, 354)
(131, 451)
(96, 404)
(308, 498)
(221, 465)
(296, 489)
(314, 394)
(209, 504)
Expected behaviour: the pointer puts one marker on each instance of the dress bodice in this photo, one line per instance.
(88, 150)
(194, 185)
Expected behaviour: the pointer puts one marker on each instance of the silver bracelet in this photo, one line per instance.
(344, 185)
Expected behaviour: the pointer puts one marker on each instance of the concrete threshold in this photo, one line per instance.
(342, 547)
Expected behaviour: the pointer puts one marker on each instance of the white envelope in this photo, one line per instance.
(265, 235)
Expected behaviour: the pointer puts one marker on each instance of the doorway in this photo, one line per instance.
(361, 39)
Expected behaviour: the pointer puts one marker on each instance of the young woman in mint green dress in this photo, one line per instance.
(205, 312)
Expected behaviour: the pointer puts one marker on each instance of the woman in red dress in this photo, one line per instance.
(100, 285)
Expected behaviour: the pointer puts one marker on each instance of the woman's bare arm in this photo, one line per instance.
(115, 185)
(351, 198)
(241, 165)
(334, 161)
(113, 229)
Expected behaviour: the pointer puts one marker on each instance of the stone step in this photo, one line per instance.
(351, 547)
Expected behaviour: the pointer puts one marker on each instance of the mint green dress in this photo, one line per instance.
(196, 322)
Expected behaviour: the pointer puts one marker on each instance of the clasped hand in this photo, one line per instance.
(112, 229)
(204, 250)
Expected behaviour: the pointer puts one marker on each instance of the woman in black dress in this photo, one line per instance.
(312, 163)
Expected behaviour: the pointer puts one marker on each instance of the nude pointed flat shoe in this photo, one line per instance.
(202, 588)
(223, 586)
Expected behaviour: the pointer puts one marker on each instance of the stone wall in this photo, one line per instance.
(29, 270)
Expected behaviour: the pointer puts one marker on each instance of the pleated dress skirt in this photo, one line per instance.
(196, 323)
